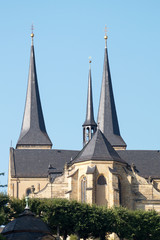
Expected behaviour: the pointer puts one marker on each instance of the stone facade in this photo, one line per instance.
(122, 187)
(95, 182)
(102, 173)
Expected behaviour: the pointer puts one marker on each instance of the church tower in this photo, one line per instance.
(33, 132)
(107, 117)
(89, 126)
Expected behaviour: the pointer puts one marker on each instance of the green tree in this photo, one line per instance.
(68, 216)
(2, 237)
(4, 209)
(58, 214)
(36, 205)
(145, 225)
(2, 185)
(82, 219)
(102, 220)
(16, 207)
(122, 222)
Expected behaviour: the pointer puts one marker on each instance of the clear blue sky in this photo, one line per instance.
(66, 34)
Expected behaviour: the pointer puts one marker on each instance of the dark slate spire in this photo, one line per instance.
(99, 149)
(89, 126)
(89, 113)
(33, 132)
(107, 116)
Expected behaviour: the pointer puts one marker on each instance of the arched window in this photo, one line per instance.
(92, 131)
(101, 180)
(101, 191)
(83, 189)
(120, 192)
(28, 191)
(87, 134)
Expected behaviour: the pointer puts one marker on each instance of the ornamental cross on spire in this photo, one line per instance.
(32, 34)
(90, 59)
(105, 37)
(105, 30)
(32, 27)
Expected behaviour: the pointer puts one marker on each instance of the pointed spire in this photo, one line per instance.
(107, 116)
(33, 132)
(89, 126)
(89, 111)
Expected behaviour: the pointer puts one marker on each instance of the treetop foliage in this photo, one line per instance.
(85, 220)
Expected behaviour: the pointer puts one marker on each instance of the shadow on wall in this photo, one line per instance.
(101, 190)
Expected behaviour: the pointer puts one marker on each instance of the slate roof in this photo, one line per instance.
(35, 162)
(33, 131)
(26, 227)
(98, 148)
(107, 117)
(147, 162)
(89, 112)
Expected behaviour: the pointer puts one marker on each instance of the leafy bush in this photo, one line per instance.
(85, 220)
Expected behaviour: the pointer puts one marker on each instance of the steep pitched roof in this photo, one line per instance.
(107, 116)
(89, 112)
(33, 131)
(26, 226)
(147, 162)
(98, 148)
(35, 162)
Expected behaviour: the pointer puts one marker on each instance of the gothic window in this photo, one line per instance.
(28, 191)
(101, 191)
(101, 180)
(83, 189)
(120, 194)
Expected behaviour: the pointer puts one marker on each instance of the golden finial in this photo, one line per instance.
(90, 59)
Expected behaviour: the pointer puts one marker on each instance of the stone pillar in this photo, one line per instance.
(90, 189)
